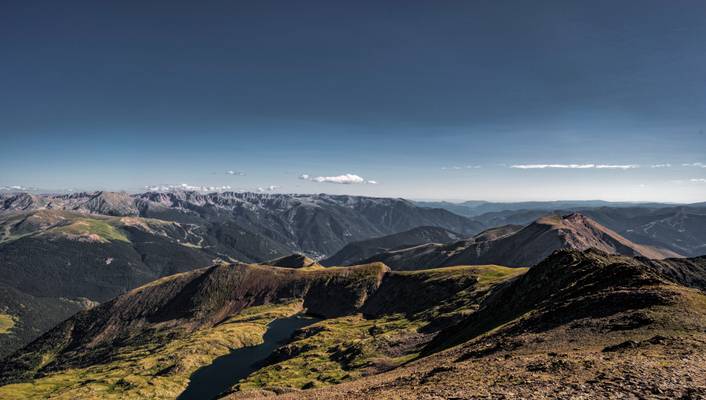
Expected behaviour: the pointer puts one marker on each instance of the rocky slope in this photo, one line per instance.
(578, 325)
(524, 247)
(356, 252)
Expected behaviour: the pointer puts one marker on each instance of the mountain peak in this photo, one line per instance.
(524, 247)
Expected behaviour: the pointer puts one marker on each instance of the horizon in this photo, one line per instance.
(534, 102)
(41, 192)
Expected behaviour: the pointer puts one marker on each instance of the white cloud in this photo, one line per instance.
(460, 167)
(543, 166)
(237, 173)
(16, 188)
(345, 179)
(696, 164)
(666, 165)
(612, 166)
(700, 180)
(575, 166)
(187, 188)
(270, 188)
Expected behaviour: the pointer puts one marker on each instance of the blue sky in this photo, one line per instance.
(430, 100)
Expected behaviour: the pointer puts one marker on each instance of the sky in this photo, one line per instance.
(493, 100)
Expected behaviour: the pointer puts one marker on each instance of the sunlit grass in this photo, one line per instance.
(159, 370)
(7, 322)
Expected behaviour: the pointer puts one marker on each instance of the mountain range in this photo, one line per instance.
(679, 228)
(474, 208)
(519, 247)
(317, 225)
(117, 295)
(62, 253)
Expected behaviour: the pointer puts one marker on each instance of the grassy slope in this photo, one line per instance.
(91, 228)
(7, 322)
(346, 348)
(157, 370)
(51, 258)
(334, 350)
(614, 329)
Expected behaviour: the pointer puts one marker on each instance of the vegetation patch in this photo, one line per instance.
(7, 322)
(92, 230)
(337, 350)
(158, 370)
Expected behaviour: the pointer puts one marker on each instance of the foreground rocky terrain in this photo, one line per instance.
(577, 324)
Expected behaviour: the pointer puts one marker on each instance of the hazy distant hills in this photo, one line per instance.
(477, 207)
(524, 247)
(679, 228)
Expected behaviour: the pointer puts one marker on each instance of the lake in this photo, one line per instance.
(225, 371)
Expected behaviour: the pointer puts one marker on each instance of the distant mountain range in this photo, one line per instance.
(474, 208)
(678, 228)
(317, 225)
(524, 247)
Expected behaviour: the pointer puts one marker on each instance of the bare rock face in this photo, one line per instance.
(110, 203)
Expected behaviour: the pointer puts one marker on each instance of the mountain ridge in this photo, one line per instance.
(524, 247)
(317, 225)
(574, 316)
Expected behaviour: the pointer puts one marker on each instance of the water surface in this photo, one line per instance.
(209, 381)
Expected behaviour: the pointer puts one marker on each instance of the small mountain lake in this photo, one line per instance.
(211, 380)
